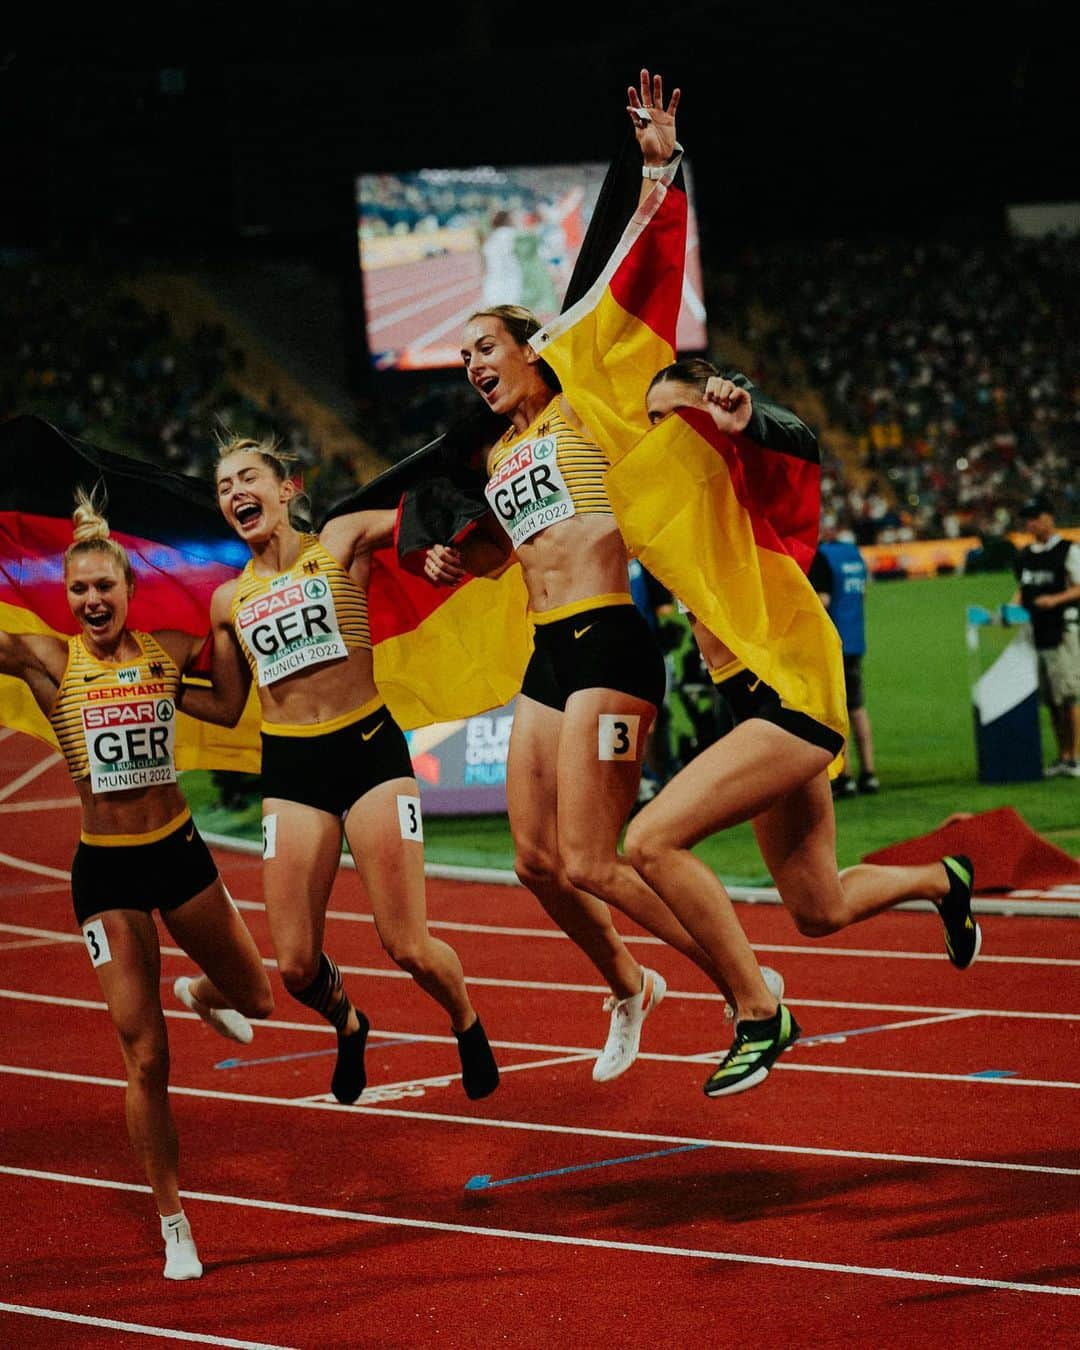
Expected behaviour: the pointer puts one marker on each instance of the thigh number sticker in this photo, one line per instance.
(269, 831)
(618, 736)
(409, 818)
(97, 943)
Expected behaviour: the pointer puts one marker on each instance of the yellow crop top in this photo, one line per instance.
(116, 725)
(546, 474)
(309, 614)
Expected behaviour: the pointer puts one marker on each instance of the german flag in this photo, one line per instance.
(443, 654)
(727, 524)
(180, 547)
(607, 346)
(181, 550)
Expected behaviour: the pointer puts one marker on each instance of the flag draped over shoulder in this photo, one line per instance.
(689, 508)
(607, 346)
(443, 654)
(726, 523)
(180, 548)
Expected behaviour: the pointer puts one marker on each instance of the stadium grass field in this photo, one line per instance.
(917, 675)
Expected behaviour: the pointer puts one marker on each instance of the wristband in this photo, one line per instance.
(657, 171)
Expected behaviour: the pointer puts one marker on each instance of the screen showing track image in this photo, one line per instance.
(437, 244)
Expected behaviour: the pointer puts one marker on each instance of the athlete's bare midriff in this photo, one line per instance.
(133, 811)
(321, 693)
(572, 561)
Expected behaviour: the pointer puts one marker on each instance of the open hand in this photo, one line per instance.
(654, 125)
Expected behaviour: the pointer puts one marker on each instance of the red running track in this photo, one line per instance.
(913, 1180)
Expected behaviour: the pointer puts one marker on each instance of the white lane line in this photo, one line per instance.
(9, 789)
(47, 804)
(566, 1240)
(563, 1053)
(601, 991)
(647, 940)
(1056, 904)
(22, 865)
(539, 1127)
(643, 939)
(138, 1328)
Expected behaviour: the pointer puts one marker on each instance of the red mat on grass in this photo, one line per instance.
(1007, 853)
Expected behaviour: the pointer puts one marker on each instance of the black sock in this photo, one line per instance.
(763, 1026)
(350, 1076)
(479, 1072)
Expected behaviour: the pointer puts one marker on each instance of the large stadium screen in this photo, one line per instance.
(437, 244)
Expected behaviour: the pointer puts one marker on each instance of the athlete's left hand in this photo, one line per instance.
(443, 566)
(729, 405)
(654, 125)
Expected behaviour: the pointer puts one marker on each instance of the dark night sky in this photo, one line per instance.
(797, 118)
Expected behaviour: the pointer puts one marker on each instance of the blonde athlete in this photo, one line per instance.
(111, 695)
(596, 679)
(334, 761)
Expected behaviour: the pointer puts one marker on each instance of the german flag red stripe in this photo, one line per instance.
(726, 524)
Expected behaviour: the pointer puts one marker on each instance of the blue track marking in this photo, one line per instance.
(485, 1183)
(311, 1054)
(994, 1073)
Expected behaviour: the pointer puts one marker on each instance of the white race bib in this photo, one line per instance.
(292, 628)
(130, 742)
(528, 493)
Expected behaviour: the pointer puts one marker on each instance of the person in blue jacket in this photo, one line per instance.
(839, 575)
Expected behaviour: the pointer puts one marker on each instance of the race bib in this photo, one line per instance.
(292, 628)
(130, 743)
(528, 493)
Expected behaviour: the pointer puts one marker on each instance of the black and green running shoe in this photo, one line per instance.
(963, 937)
(755, 1049)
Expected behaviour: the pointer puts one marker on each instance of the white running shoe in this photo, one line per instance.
(181, 1258)
(226, 1022)
(774, 983)
(624, 1034)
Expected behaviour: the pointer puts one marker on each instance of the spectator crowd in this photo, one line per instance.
(950, 366)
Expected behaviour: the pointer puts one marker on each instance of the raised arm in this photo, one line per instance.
(221, 696)
(654, 127)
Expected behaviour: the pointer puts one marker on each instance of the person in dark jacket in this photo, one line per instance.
(1048, 587)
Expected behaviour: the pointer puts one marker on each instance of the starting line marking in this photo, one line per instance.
(167, 1333)
(561, 1239)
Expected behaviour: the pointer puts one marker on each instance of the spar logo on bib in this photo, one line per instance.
(130, 744)
(527, 491)
(291, 628)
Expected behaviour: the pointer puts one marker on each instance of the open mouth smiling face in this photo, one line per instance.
(98, 596)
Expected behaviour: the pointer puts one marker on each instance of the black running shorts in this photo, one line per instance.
(161, 875)
(747, 696)
(611, 647)
(332, 770)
